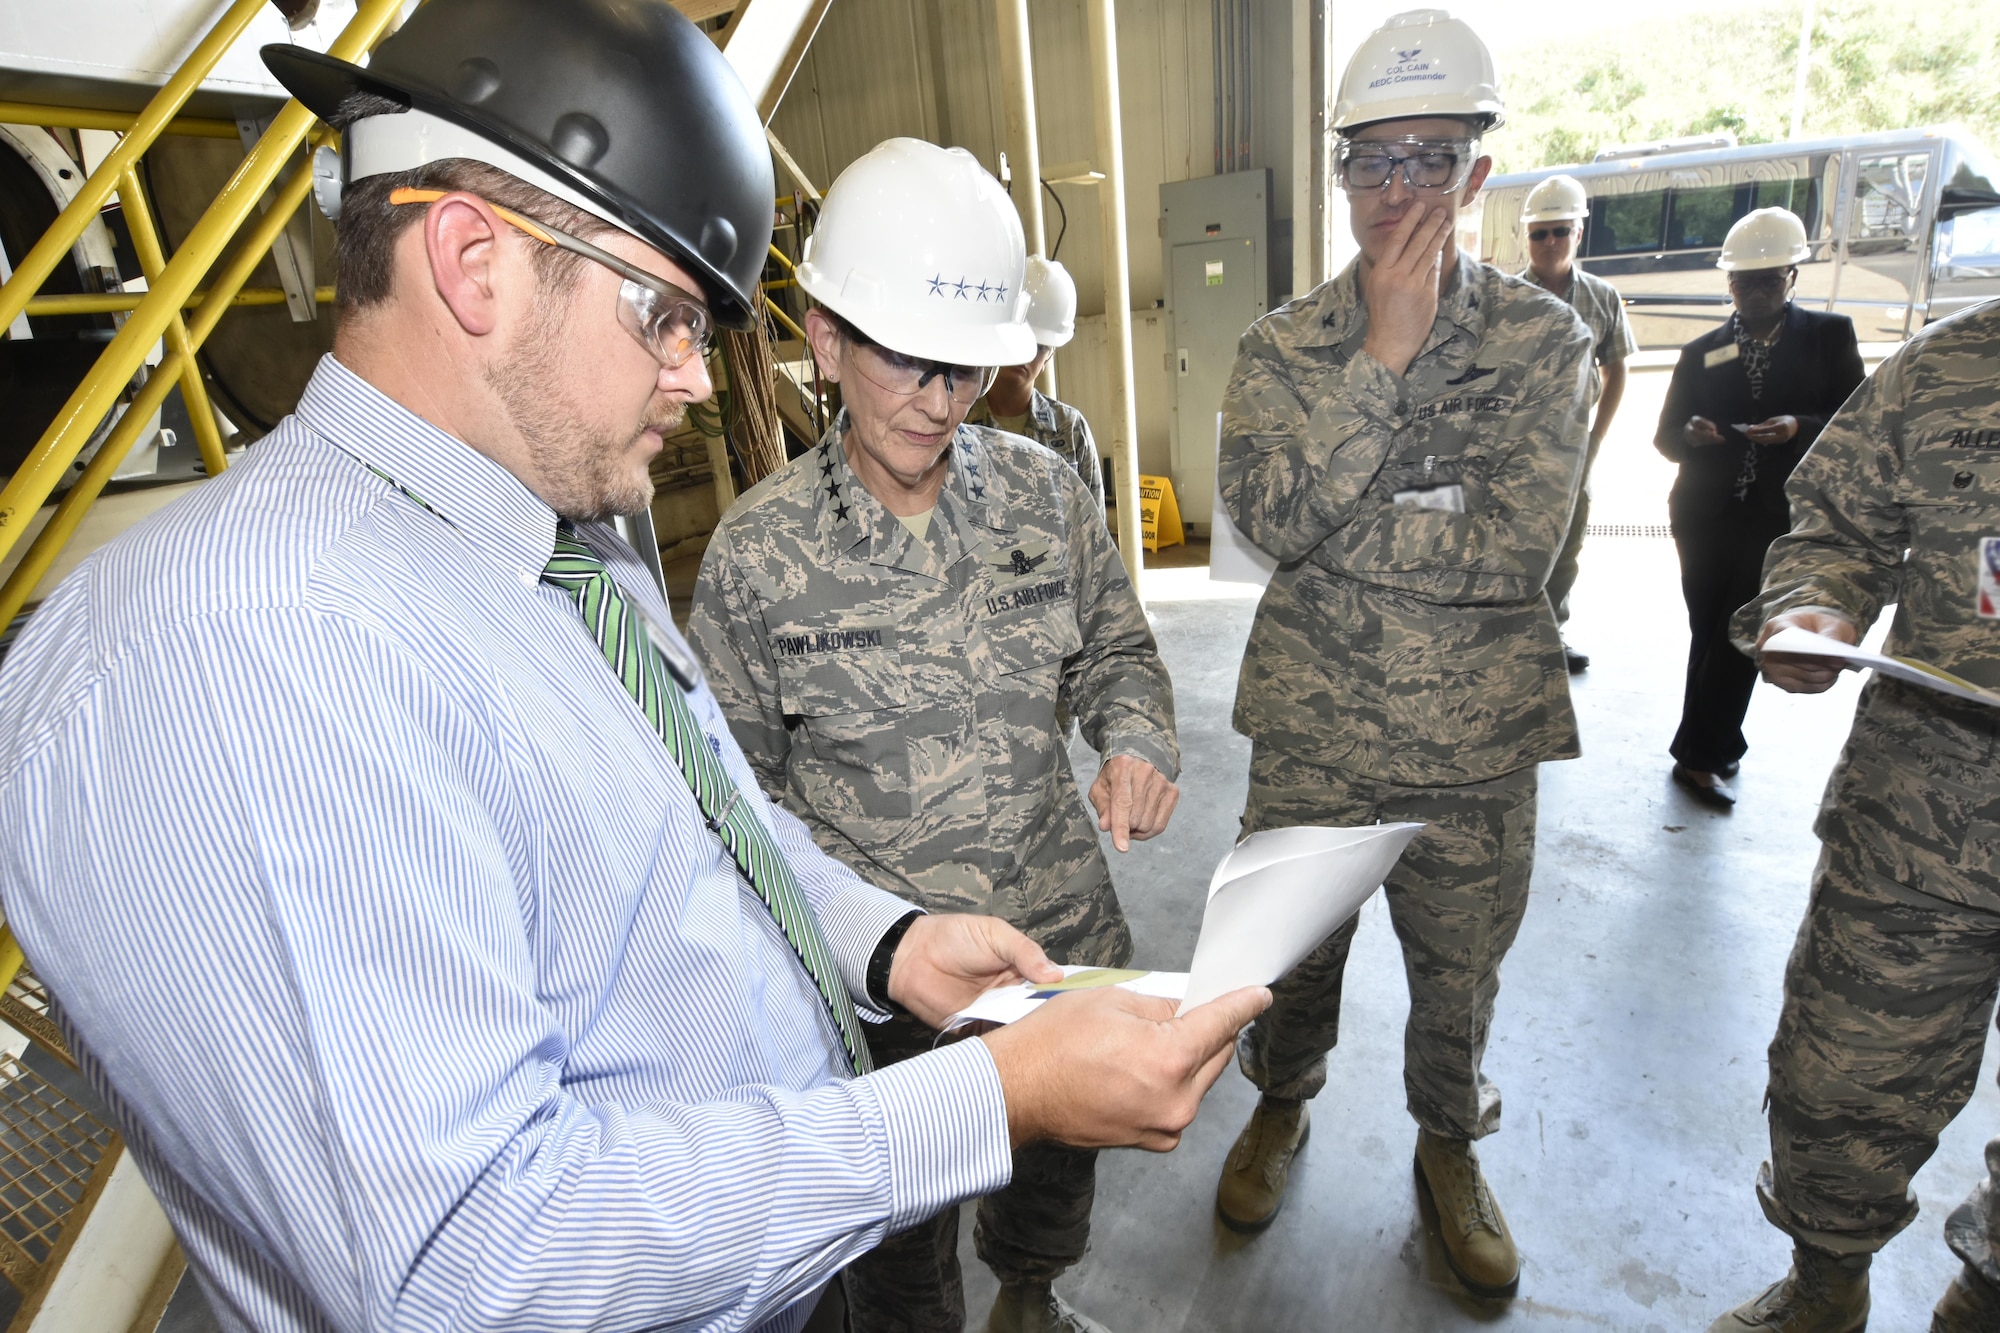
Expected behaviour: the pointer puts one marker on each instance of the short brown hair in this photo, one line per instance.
(369, 225)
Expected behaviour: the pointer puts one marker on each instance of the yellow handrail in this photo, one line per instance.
(94, 398)
(41, 555)
(112, 303)
(62, 524)
(75, 118)
(12, 960)
(146, 241)
(783, 262)
(776, 314)
(54, 247)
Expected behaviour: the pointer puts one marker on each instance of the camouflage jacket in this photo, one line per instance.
(899, 695)
(1056, 425)
(1602, 309)
(1401, 642)
(1896, 502)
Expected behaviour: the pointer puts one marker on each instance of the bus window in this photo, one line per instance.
(1701, 217)
(1801, 196)
(1626, 224)
(1888, 203)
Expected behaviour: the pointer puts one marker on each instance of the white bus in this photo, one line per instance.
(1904, 227)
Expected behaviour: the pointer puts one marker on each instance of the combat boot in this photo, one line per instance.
(1971, 1304)
(1823, 1293)
(1253, 1179)
(1034, 1307)
(1477, 1243)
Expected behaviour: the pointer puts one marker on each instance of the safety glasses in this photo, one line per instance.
(906, 376)
(1759, 279)
(671, 323)
(1543, 233)
(1428, 166)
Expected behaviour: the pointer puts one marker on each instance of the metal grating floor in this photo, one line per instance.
(49, 1147)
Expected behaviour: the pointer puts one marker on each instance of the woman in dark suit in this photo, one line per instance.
(1746, 402)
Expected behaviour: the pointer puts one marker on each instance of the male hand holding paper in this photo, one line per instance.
(1102, 1068)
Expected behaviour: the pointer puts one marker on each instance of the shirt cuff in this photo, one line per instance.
(1155, 750)
(1374, 389)
(852, 924)
(944, 1117)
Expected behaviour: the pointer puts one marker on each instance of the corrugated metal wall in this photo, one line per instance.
(928, 68)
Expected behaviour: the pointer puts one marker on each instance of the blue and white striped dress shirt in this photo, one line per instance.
(396, 941)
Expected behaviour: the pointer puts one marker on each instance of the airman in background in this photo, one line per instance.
(1016, 406)
(888, 623)
(1407, 440)
(1890, 985)
(1553, 218)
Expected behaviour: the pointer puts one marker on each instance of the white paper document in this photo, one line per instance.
(1806, 643)
(1278, 894)
(1008, 1004)
(1272, 900)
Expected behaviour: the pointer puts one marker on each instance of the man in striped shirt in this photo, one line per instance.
(412, 948)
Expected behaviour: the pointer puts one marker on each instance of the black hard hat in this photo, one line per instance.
(624, 100)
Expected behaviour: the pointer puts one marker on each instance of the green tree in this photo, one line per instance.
(1876, 65)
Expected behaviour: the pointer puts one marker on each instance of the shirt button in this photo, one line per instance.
(528, 580)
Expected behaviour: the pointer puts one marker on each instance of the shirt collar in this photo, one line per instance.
(851, 516)
(484, 502)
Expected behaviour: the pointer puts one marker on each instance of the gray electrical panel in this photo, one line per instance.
(1215, 238)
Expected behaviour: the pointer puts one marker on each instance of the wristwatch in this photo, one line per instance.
(883, 959)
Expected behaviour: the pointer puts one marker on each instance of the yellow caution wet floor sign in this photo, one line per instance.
(1159, 514)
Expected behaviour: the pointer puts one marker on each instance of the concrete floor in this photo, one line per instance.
(1631, 1029)
(1629, 1041)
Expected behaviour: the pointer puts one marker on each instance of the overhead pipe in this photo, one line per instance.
(1246, 84)
(1215, 62)
(1017, 93)
(1319, 125)
(1117, 283)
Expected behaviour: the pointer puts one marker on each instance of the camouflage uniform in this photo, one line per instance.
(899, 696)
(1893, 976)
(1404, 662)
(1603, 311)
(1056, 425)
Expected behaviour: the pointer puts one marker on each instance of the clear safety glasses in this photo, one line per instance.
(669, 322)
(906, 376)
(1429, 166)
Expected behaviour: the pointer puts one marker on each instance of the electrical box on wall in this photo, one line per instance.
(1215, 238)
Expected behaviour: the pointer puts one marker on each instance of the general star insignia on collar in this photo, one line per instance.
(833, 490)
(978, 491)
(840, 511)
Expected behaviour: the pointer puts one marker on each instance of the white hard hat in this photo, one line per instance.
(1421, 63)
(1051, 302)
(919, 248)
(1767, 238)
(1557, 199)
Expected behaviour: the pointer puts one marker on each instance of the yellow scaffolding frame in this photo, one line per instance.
(156, 314)
(112, 303)
(72, 118)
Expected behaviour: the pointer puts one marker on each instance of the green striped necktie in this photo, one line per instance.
(621, 636)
